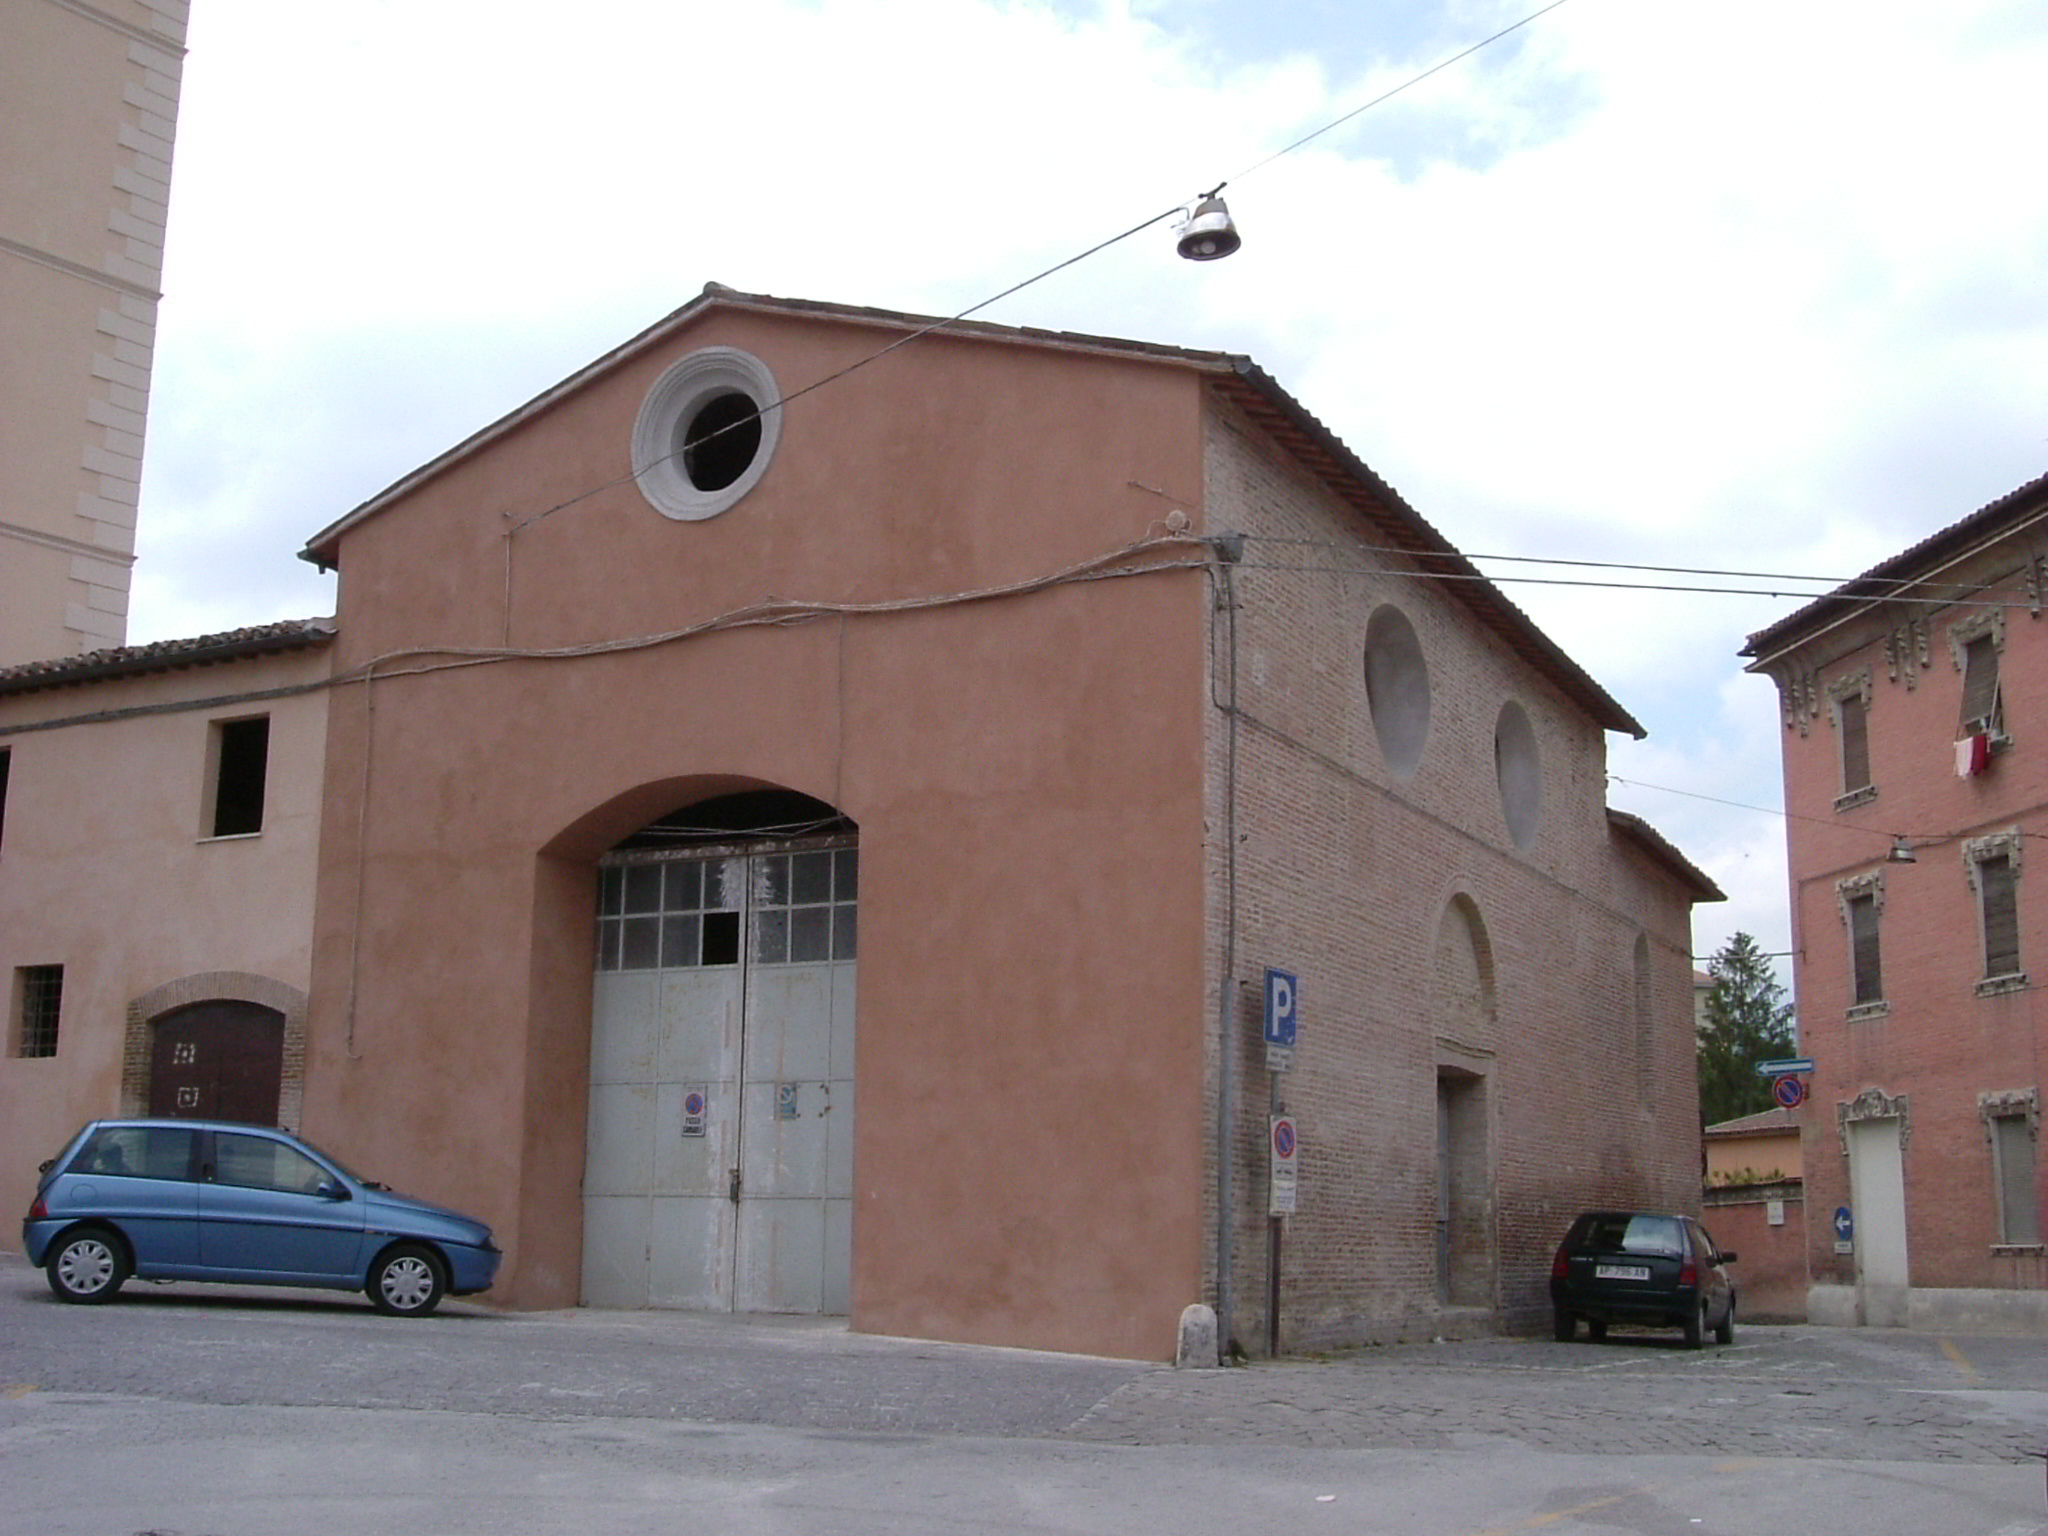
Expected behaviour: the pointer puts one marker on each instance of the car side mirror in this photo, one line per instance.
(327, 1189)
(1727, 1257)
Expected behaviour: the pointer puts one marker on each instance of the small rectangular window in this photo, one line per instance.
(38, 1006)
(1867, 975)
(6, 756)
(1855, 743)
(241, 760)
(2012, 1158)
(1998, 906)
(1982, 714)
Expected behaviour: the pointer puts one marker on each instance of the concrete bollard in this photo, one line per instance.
(1197, 1338)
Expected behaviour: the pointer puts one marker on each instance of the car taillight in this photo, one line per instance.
(1688, 1273)
(39, 1211)
(1558, 1266)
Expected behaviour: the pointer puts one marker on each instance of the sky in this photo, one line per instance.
(1758, 287)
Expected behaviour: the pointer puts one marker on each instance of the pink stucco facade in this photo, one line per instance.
(1927, 1073)
(109, 869)
(1024, 772)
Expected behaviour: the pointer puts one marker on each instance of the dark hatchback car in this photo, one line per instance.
(1645, 1267)
(246, 1205)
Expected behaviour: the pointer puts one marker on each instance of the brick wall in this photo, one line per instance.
(1546, 988)
(1943, 1038)
(1770, 1263)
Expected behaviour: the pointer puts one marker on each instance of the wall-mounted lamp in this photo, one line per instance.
(1902, 852)
(1208, 235)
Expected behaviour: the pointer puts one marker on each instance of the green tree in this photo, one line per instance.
(1747, 1021)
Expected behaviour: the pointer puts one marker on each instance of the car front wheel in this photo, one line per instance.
(88, 1266)
(406, 1282)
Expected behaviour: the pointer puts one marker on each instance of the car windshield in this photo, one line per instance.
(1656, 1235)
(338, 1163)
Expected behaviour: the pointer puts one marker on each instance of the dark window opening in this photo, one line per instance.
(749, 814)
(5, 755)
(239, 773)
(39, 1003)
(721, 938)
(1999, 895)
(720, 441)
(1867, 975)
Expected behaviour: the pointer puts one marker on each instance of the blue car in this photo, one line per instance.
(244, 1205)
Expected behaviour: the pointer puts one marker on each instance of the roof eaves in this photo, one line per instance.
(1993, 521)
(166, 656)
(1302, 434)
(1747, 1125)
(1663, 852)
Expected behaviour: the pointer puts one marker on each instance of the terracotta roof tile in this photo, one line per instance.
(166, 655)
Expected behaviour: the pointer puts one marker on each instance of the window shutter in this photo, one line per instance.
(1980, 685)
(1855, 744)
(1998, 894)
(2019, 1213)
(1868, 976)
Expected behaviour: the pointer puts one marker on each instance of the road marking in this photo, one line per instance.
(1961, 1361)
(1551, 1517)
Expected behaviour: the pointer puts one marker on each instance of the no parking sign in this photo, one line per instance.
(1286, 1165)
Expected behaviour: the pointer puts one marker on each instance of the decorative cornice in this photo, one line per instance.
(1875, 1104)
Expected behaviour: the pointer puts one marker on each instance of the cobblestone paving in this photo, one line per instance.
(1820, 1394)
(1619, 1398)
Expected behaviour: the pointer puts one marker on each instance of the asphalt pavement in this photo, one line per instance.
(212, 1412)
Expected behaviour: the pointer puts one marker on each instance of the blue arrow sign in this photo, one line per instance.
(1785, 1068)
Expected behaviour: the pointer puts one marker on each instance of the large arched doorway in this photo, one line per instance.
(718, 1173)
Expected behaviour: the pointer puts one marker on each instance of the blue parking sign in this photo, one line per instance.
(1280, 1007)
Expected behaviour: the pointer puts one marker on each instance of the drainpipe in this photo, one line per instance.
(1229, 549)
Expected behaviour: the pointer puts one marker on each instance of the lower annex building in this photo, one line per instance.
(825, 856)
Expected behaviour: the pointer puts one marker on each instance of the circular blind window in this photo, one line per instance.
(1396, 689)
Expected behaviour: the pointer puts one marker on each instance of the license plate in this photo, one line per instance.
(1621, 1271)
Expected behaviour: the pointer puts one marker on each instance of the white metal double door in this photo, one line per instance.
(719, 1169)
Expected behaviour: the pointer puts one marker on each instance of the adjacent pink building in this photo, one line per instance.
(820, 850)
(1914, 794)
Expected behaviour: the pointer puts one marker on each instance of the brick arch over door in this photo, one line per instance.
(145, 1011)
